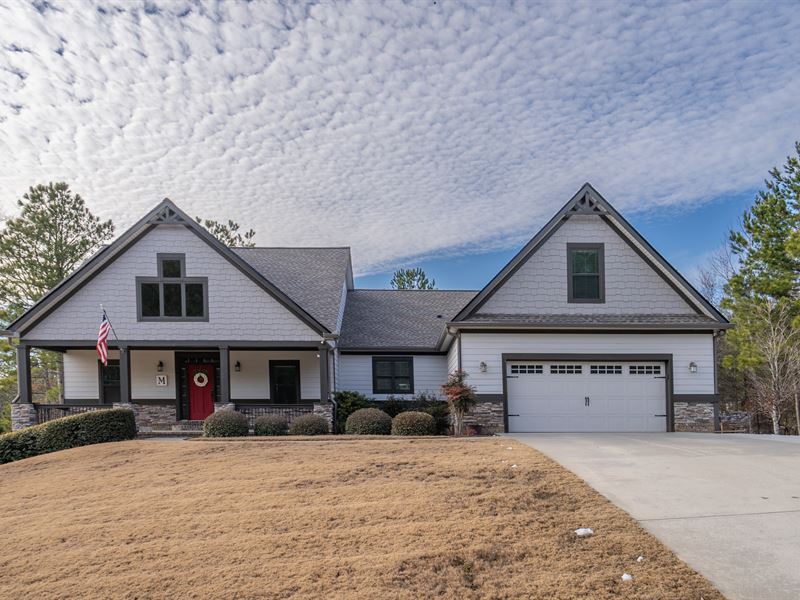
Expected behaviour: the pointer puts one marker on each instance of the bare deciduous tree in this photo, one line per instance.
(776, 376)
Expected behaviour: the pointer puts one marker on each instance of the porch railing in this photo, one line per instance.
(48, 412)
(288, 411)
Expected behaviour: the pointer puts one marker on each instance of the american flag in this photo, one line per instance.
(102, 337)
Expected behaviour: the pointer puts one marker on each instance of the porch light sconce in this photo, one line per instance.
(483, 367)
(692, 367)
(160, 367)
(237, 366)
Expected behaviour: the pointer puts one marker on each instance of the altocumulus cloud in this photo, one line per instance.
(406, 130)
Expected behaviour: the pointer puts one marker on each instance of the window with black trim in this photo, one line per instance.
(172, 296)
(605, 369)
(392, 375)
(566, 369)
(585, 273)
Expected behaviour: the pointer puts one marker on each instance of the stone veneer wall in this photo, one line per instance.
(326, 410)
(152, 417)
(488, 413)
(694, 416)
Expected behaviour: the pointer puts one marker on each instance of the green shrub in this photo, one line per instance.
(413, 423)
(19, 444)
(226, 423)
(97, 427)
(271, 425)
(441, 415)
(346, 404)
(368, 421)
(309, 424)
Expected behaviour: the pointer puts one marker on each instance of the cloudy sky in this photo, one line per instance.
(434, 133)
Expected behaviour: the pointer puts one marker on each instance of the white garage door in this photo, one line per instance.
(586, 396)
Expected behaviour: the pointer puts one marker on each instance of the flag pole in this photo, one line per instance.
(105, 314)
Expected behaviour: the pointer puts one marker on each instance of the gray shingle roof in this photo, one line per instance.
(398, 318)
(312, 277)
(596, 320)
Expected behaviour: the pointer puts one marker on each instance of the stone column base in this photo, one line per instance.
(326, 410)
(695, 416)
(22, 415)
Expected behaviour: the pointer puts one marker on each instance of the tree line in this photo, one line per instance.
(755, 279)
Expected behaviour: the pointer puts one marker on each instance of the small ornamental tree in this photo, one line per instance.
(460, 398)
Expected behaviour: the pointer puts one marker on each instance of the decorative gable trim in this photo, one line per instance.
(588, 201)
(166, 213)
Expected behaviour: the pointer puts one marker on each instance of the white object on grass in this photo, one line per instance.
(513, 466)
(584, 532)
(640, 559)
(627, 577)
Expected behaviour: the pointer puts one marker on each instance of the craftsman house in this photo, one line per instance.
(588, 328)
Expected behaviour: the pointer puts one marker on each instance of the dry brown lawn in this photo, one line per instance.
(337, 518)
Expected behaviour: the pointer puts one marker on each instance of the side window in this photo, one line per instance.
(585, 273)
(172, 296)
(392, 375)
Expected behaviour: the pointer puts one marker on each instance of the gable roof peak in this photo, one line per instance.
(167, 213)
(587, 201)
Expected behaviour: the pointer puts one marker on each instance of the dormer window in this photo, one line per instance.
(585, 273)
(172, 296)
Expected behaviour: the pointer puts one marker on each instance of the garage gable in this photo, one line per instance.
(627, 275)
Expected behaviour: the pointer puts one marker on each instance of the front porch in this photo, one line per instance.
(173, 387)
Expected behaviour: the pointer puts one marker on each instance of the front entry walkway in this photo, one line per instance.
(727, 505)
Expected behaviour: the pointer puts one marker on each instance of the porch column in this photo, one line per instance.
(224, 375)
(23, 411)
(24, 374)
(124, 375)
(324, 386)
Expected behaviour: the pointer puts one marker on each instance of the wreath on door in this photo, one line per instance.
(200, 379)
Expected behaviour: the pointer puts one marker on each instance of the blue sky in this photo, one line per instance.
(442, 135)
(685, 237)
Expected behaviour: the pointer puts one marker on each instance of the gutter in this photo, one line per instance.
(493, 325)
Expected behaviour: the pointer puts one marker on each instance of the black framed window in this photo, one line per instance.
(585, 273)
(392, 375)
(172, 296)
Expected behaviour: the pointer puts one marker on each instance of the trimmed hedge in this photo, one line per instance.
(309, 424)
(349, 402)
(226, 423)
(346, 404)
(368, 421)
(271, 425)
(97, 427)
(413, 423)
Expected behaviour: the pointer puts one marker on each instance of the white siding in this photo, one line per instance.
(685, 348)
(452, 357)
(144, 368)
(238, 308)
(252, 382)
(355, 374)
(81, 375)
(540, 285)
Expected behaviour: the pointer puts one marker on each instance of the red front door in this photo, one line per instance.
(201, 391)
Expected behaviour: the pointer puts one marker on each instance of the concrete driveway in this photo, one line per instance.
(727, 505)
